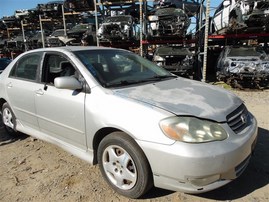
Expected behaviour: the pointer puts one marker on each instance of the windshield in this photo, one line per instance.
(114, 68)
(173, 51)
(58, 33)
(118, 19)
(241, 52)
(79, 27)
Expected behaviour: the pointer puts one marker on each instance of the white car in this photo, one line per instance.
(142, 124)
(233, 15)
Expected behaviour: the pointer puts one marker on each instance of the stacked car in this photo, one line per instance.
(163, 32)
(241, 16)
(243, 66)
(118, 28)
(178, 60)
(168, 22)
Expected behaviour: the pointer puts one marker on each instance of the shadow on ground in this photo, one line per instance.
(5, 138)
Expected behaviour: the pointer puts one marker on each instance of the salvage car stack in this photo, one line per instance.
(162, 32)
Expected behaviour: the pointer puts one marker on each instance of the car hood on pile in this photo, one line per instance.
(185, 97)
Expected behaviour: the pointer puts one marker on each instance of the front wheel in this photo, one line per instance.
(124, 165)
(9, 119)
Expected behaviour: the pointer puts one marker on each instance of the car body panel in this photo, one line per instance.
(67, 125)
(21, 95)
(204, 101)
(221, 17)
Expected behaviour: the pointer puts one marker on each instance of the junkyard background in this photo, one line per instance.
(32, 170)
(171, 33)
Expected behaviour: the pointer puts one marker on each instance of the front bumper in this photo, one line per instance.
(197, 168)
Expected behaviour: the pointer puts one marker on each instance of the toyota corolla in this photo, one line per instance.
(143, 125)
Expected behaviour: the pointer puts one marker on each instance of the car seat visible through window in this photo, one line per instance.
(67, 69)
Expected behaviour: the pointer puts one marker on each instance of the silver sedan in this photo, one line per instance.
(143, 125)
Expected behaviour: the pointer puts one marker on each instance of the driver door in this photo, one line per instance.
(60, 112)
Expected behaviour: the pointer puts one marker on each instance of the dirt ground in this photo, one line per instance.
(32, 170)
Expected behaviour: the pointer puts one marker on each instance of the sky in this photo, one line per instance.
(7, 7)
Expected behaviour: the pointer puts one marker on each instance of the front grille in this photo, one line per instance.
(238, 119)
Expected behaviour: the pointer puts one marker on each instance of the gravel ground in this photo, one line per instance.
(32, 170)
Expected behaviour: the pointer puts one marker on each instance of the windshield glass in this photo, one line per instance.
(114, 68)
(79, 26)
(117, 19)
(240, 52)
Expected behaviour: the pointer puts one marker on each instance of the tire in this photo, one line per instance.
(9, 120)
(124, 166)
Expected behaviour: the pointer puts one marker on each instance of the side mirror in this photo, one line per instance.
(67, 82)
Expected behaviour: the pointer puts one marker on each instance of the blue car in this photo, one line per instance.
(4, 63)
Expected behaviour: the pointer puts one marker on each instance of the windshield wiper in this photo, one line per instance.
(130, 82)
(164, 76)
(121, 83)
(158, 78)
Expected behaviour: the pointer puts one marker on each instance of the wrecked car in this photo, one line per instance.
(121, 27)
(35, 41)
(243, 66)
(77, 32)
(15, 43)
(177, 60)
(191, 7)
(51, 8)
(168, 22)
(79, 5)
(233, 15)
(57, 38)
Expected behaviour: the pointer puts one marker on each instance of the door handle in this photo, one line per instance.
(39, 92)
(9, 85)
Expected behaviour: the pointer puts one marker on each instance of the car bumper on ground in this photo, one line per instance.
(197, 168)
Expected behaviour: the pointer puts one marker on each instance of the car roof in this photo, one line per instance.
(71, 49)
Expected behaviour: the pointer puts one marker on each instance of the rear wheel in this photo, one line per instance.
(124, 165)
(9, 119)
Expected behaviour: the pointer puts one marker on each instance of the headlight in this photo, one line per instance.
(126, 27)
(153, 18)
(158, 58)
(192, 130)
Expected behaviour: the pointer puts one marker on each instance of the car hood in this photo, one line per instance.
(185, 97)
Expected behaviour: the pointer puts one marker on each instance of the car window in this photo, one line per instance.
(26, 67)
(113, 67)
(56, 66)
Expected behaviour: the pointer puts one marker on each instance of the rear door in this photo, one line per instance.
(60, 112)
(21, 85)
